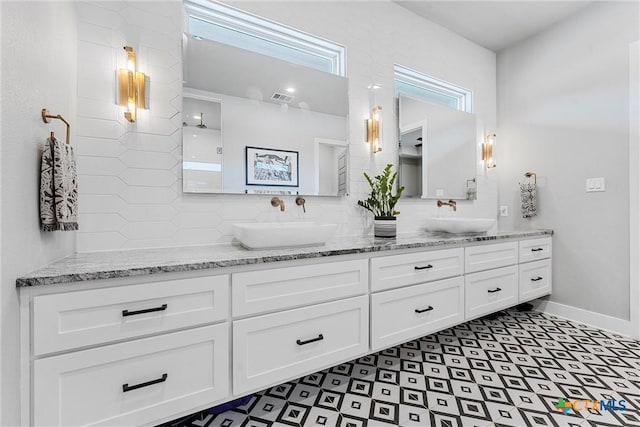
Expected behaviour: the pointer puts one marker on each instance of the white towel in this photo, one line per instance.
(58, 187)
(528, 199)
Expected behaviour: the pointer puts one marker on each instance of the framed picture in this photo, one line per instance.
(271, 167)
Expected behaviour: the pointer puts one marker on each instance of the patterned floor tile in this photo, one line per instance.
(410, 417)
(511, 371)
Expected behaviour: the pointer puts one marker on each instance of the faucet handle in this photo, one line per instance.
(300, 201)
(276, 201)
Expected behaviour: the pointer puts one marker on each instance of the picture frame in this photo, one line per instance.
(271, 167)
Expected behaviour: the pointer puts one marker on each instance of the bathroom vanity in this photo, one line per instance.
(142, 337)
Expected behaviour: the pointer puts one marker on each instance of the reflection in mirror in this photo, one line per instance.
(202, 155)
(293, 116)
(437, 150)
(411, 160)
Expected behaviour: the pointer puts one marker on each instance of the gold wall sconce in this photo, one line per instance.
(487, 151)
(133, 87)
(374, 129)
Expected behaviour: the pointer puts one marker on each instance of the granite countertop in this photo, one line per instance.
(137, 262)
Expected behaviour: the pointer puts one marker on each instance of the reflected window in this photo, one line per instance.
(234, 27)
(427, 88)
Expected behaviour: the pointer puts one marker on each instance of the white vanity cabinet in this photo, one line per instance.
(126, 354)
(148, 349)
(71, 320)
(277, 347)
(403, 314)
(535, 268)
(134, 382)
(321, 319)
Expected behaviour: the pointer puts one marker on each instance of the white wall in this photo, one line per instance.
(39, 70)
(563, 113)
(130, 177)
(253, 123)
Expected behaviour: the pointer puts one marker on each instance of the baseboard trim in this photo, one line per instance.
(597, 320)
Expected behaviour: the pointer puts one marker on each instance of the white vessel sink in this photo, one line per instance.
(267, 235)
(459, 225)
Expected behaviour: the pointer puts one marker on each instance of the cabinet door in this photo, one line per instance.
(133, 383)
(486, 257)
(491, 290)
(256, 292)
(83, 318)
(403, 314)
(535, 279)
(535, 249)
(395, 271)
(274, 348)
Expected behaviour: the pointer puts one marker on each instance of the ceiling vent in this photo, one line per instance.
(281, 97)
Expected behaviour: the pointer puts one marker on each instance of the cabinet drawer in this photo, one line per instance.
(490, 291)
(485, 257)
(276, 347)
(409, 269)
(535, 279)
(283, 288)
(535, 249)
(87, 387)
(403, 314)
(83, 318)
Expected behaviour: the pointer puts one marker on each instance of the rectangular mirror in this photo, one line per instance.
(437, 150)
(254, 124)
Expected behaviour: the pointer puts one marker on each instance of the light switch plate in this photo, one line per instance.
(595, 184)
(504, 210)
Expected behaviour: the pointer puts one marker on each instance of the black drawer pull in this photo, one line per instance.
(127, 387)
(424, 267)
(494, 290)
(426, 309)
(537, 249)
(535, 279)
(146, 310)
(319, 338)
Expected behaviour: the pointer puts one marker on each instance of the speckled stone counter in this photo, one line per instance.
(128, 263)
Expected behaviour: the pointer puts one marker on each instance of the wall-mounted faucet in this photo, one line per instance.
(300, 202)
(451, 203)
(276, 201)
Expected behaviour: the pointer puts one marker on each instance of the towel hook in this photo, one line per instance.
(46, 117)
(531, 174)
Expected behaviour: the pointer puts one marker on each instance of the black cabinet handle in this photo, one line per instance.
(127, 387)
(426, 309)
(536, 249)
(319, 338)
(424, 267)
(494, 290)
(535, 279)
(146, 310)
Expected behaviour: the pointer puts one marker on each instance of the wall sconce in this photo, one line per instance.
(374, 129)
(487, 151)
(133, 87)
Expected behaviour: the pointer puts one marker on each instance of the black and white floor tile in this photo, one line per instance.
(506, 372)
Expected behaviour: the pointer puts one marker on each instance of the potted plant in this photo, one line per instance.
(382, 201)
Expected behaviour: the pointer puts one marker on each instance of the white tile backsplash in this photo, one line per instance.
(130, 174)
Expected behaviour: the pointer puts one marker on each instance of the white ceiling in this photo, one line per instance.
(495, 24)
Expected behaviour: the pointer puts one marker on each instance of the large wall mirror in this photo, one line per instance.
(255, 124)
(437, 150)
